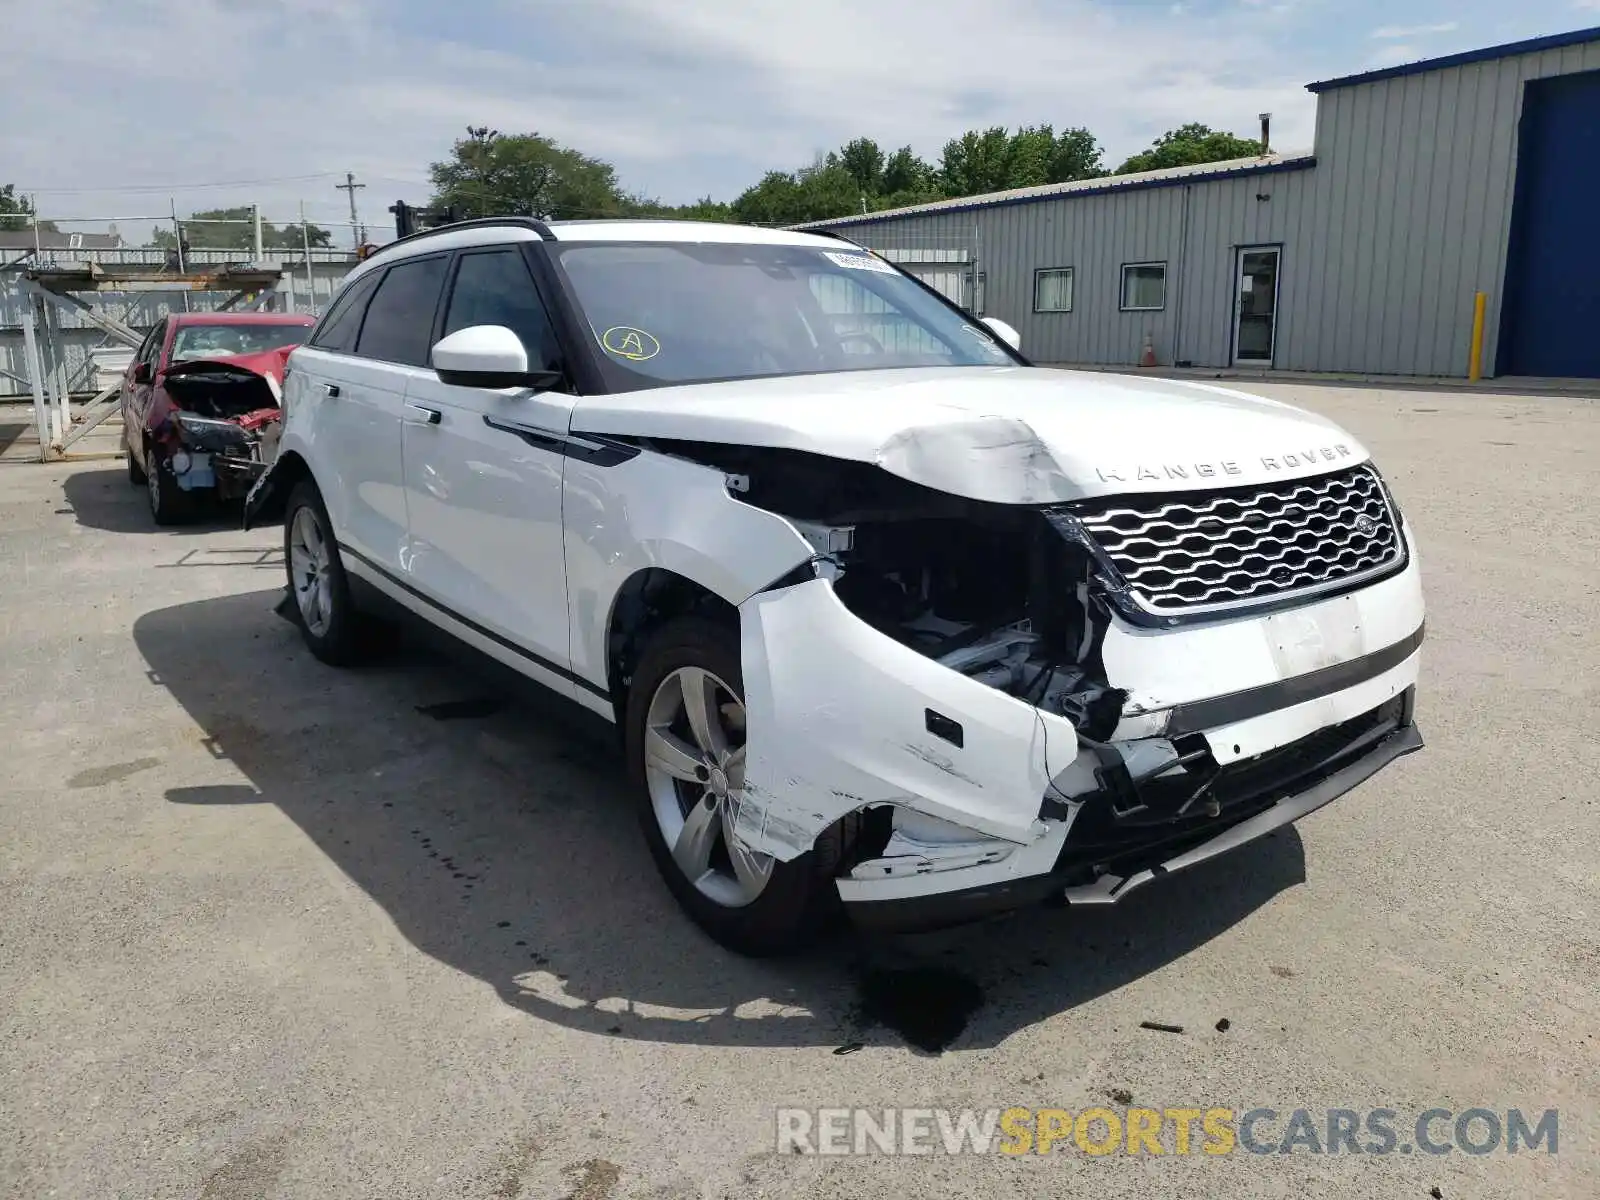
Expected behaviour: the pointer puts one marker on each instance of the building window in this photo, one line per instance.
(1052, 290)
(1144, 286)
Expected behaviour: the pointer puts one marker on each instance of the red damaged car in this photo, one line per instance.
(199, 400)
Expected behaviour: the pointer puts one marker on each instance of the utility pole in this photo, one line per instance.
(350, 186)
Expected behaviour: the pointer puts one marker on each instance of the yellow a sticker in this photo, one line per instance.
(625, 341)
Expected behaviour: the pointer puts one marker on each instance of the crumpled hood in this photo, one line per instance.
(1010, 435)
(269, 364)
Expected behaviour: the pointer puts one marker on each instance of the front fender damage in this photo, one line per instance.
(842, 718)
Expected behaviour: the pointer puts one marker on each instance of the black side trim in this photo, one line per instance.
(589, 448)
(498, 639)
(1255, 702)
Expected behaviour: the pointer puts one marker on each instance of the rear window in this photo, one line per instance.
(339, 326)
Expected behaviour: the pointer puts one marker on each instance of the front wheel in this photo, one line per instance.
(169, 503)
(685, 731)
(136, 475)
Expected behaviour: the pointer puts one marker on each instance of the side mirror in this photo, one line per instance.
(142, 373)
(487, 356)
(1004, 332)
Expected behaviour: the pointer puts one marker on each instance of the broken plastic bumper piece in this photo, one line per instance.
(1145, 821)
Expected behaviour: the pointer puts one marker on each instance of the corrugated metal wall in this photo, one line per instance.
(1415, 176)
(1405, 215)
(1193, 228)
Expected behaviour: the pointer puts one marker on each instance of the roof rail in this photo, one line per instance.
(533, 223)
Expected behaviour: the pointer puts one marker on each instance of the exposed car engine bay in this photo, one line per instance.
(219, 390)
(995, 592)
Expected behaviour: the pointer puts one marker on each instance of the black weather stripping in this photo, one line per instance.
(588, 447)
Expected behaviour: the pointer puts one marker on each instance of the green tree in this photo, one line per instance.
(1077, 155)
(234, 229)
(704, 209)
(1188, 145)
(774, 201)
(525, 175)
(992, 160)
(978, 161)
(863, 161)
(905, 172)
(16, 210)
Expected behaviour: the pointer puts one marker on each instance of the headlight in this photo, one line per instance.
(180, 462)
(196, 424)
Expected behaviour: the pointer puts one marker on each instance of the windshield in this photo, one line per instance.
(227, 341)
(675, 313)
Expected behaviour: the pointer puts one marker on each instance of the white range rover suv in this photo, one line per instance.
(887, 616)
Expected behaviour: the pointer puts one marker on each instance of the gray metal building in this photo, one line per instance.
(1427, 184)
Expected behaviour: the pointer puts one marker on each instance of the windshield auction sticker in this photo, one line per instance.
(625, 341)
(858, 262)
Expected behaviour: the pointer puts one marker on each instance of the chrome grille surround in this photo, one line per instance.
(1235, 547)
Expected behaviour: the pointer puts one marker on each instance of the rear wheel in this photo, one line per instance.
(319, 590)
(686, 751)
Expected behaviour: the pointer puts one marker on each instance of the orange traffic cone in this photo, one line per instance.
(1147, 357)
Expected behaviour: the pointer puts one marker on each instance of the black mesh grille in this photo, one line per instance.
(1240, 544)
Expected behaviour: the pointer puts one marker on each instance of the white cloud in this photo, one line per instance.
(1393, 56)
(687, 98)
(1391, 32)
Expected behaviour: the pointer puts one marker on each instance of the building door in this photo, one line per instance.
(1552, 301)
(1256, 322)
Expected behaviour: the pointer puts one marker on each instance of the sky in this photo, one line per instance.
(118, 108)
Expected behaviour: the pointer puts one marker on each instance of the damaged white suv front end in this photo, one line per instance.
(1057, 633)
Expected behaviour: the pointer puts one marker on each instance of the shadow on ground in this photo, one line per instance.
(495, 828)
(101, 500)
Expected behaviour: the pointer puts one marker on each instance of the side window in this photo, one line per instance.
(399, 324)
(150, 352)
(338, 328)
(493, 287)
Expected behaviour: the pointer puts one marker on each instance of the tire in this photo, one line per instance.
(796, 898)
(136, 475)
(169, 503)
(318, 588)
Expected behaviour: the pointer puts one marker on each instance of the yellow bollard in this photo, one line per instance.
(1475, 367)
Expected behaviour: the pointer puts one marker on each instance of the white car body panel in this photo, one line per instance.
(655, 511)
(484, 508)
(1011, 435)
(359, 429)
(835, 715)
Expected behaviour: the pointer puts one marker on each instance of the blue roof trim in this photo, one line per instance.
(1489, 53)
(1288, 164)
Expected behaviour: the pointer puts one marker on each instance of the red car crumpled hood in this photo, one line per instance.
(269, 364)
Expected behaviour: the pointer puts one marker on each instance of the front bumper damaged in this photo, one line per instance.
(997, 805)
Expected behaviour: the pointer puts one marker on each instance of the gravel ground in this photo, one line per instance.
(272, 930)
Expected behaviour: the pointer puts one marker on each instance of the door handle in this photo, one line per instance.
(416, 414)
(332, 390)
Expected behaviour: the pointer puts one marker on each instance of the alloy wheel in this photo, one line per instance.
(309, 563)
(694, 761)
